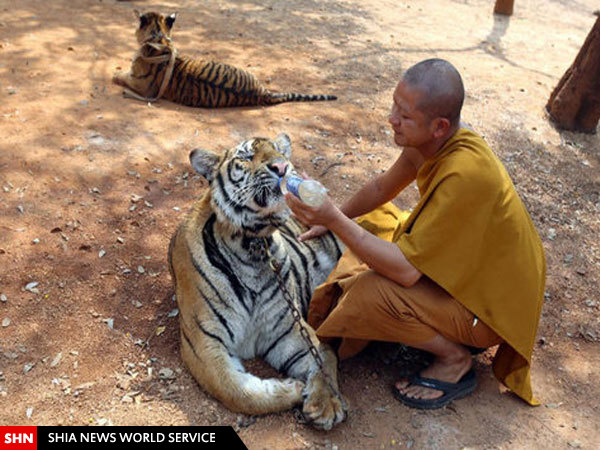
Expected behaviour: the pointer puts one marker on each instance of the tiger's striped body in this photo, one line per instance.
(193, 82)
(231, 307)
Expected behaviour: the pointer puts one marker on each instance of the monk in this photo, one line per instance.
(464, 269)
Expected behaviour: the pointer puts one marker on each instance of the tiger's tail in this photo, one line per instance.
(274, 98)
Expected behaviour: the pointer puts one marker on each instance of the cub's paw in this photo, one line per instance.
(119, 78)
(322, 408)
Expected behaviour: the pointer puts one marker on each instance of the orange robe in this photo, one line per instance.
(471, 234)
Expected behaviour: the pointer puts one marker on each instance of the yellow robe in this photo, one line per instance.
(472, 235)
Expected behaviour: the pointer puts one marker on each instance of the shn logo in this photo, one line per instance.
(18, 438)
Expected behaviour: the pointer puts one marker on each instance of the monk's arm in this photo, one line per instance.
(384, 257)
(385, 186)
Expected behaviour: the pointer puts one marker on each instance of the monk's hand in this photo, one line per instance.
(312, 217)
(313, 232)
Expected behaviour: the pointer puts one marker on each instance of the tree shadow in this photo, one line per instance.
(491, 46)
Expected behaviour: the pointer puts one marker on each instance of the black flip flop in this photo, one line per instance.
(451, 391)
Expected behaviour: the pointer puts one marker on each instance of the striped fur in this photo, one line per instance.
(231, 307)
(193, 82)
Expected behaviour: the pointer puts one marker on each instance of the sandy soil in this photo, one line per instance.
(92, 185)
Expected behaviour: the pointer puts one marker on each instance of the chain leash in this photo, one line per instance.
(171, 56)
(275, 267)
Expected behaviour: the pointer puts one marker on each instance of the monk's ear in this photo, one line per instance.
(441, 126)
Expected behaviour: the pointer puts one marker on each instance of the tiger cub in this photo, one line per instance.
(158, 71)
(231, 306)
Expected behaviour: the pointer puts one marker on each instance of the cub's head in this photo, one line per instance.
(244, 183)
(154, 27)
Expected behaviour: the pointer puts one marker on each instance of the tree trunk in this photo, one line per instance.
(504, 7)
(575, 102)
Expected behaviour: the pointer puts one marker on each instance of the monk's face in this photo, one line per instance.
(412, 128)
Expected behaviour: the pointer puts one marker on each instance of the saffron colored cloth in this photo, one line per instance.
(369, 306)
(471, 234)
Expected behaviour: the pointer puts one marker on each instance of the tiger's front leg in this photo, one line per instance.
(133, 88)
(132, 81)
(321, 406)
(121, 78)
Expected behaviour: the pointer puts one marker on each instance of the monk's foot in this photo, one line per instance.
(449, 369)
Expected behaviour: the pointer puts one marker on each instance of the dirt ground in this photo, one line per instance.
(92, 185)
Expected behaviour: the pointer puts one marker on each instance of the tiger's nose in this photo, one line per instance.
(278, 167)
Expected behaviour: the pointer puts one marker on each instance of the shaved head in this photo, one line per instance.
(441, 88)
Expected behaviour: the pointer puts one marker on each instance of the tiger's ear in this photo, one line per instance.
(141, 18)
(170, 20)
(204, 162)
(284, 145)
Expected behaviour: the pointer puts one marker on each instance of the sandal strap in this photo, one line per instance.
(443, 386)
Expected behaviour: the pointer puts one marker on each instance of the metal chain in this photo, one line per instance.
(273, 264)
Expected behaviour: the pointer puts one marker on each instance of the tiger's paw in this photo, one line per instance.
(322, 408)
(119, 78)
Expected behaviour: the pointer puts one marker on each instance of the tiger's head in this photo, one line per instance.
(154, 27)
(244, 183)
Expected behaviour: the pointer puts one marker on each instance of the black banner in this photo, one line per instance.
(138, 438)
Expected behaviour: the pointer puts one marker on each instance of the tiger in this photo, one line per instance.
(157, 70)
(231, 307)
